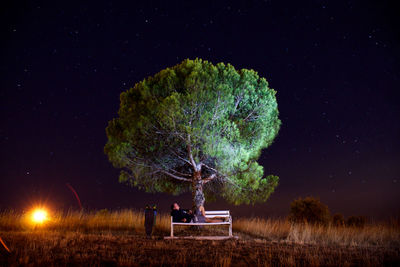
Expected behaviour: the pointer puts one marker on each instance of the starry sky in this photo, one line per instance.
(334, 64)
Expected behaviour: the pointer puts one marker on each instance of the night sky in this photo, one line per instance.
(334, 64)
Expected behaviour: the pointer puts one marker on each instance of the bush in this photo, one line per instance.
(309, 210)
(338, 219)
(356, 221)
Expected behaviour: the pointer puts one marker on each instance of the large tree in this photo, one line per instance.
(196, 127)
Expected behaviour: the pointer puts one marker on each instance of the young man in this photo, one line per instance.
(179, 215)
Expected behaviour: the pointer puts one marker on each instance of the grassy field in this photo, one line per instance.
(117, 239)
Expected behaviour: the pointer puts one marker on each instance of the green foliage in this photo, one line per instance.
(356, 221)
(219, 116)
(338, 219)
(309, 210)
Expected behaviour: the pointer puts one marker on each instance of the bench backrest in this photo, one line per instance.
(217, 213)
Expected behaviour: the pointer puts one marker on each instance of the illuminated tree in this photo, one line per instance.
(196, 127)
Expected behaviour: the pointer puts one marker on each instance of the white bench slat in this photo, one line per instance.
(216, 216)
(222, 212)
(214, 223)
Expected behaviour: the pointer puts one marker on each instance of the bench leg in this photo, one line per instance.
(230, 227)
(172, 230)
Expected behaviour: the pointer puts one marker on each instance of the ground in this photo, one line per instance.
(66, 248)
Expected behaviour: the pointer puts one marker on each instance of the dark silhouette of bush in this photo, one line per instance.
(356, 221)
(309, 210)
(338, 219)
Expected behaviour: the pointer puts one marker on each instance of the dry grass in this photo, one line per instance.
(386, 235)
(117, 238)
(103, 220)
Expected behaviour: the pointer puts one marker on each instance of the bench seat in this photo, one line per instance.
(209, 214)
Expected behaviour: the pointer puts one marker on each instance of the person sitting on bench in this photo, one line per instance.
(201, 217)
(180, 215)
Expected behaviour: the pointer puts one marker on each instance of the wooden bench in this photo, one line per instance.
(209, 214)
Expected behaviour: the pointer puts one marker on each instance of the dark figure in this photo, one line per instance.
(149, 220)
(155, 213)
(180, 215)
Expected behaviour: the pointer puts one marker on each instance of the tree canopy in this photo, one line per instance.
(196, 124)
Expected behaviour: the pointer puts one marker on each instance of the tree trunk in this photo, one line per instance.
(197, 192)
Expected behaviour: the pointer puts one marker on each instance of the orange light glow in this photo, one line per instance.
(39, 216)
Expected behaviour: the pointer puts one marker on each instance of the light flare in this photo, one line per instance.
(39, 216)
(4, 245)
(76, 194)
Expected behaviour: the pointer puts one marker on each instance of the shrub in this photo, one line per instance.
(338, 219)
(356, 221)
(309, 210)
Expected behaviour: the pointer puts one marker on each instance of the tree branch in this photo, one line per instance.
(208, 167)
(232, 182)
(180, 173)
(256, 109)
(210, 178)
(183, 159)
(189, 148)
(176, 177)
(236, 104)
(222, 175)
